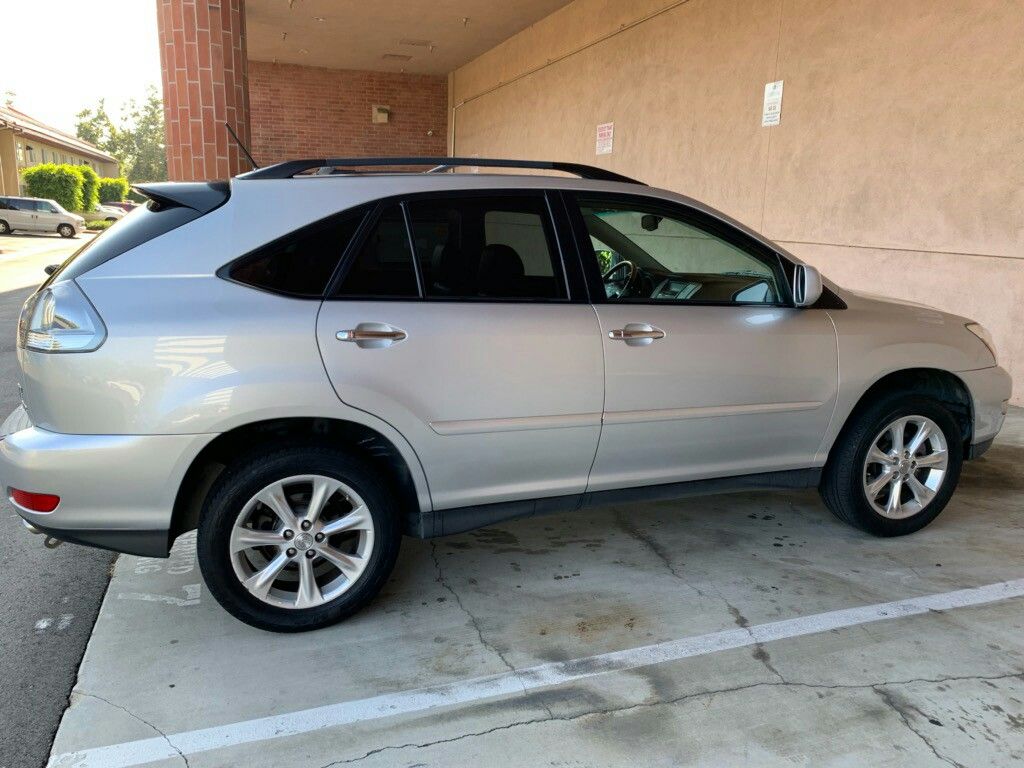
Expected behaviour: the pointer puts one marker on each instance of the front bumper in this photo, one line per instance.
(990, 390)
(116, 491)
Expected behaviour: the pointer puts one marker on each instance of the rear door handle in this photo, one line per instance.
(372, 335)
(637, 334)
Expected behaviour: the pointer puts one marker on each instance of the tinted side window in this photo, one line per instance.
(4, 206)
(499, 246)
(383, 266)
(300, 264)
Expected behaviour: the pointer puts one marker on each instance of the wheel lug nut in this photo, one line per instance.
(306, 525)
(291, 552)
(289, 533)
(310, 553)
(319, 537)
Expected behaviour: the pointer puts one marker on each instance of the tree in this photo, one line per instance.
(137, 141)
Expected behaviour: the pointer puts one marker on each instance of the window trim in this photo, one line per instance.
(763, 253)
(560, 230)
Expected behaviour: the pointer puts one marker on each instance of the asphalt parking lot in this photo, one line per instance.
(731, 630)
(48, 600)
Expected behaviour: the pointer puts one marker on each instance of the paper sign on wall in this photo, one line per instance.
(605, 138)
(772, 112)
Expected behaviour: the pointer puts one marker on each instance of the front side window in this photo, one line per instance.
(486, 247)
(652, 253)
(300, 264)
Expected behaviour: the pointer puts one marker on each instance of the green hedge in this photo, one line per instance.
(62, 183)
(99, 225)
(90, 187)
(113, 190)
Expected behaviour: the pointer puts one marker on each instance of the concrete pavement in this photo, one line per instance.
(48, 599)
(748, 629)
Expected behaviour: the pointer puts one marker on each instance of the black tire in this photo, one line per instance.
(66, 230)
(246, 477)
(111, 219)
(842, 483)
(5, 228)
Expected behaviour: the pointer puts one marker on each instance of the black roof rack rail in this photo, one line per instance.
(290, 168)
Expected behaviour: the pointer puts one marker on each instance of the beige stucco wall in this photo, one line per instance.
(898, 167)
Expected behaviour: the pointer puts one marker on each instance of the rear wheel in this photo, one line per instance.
(298, 539)
(66, 230)
(895, 466)
(5, 228)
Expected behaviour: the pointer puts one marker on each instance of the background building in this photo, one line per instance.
(897, 164)
(24, 142)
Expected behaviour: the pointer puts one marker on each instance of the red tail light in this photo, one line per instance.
(36, 502)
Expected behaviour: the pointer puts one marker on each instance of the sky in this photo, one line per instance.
(101, 49)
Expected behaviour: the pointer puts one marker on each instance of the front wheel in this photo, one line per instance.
(5, 228)
(66, 230)
(895, 466)
(298, 539)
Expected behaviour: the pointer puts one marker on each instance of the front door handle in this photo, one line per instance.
(372, 335)
(637, 334)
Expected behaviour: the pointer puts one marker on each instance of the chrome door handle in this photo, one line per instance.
(637, 334)
(372, 335)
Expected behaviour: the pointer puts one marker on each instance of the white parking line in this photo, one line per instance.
(134, 753)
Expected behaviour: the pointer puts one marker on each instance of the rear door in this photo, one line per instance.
(710, 369)
(477, 350)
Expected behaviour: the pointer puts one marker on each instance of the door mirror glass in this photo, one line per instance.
(807, 286)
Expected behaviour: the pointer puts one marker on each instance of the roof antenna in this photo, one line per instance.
(241, 146)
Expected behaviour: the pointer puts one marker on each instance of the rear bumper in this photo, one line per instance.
(116, 491)
(990, 390)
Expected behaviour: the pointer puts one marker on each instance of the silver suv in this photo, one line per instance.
(311, 361)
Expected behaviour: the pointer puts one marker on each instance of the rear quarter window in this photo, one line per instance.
(302, 262)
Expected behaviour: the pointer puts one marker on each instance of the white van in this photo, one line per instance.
(32, 214)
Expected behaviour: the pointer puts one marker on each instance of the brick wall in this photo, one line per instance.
(203, 63)
(298, 111)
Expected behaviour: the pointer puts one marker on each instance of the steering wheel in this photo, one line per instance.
(617, 287)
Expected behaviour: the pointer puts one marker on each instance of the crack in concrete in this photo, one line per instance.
(142, 720)
(472, 618)
(760, 653)
(890, 701)
(655, 547)
(875, 687)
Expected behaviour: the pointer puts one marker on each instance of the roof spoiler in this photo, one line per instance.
(201, 196)
(290, 168)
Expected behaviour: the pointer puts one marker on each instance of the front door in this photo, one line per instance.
(47, 216)
(710, 371)
(475, 350)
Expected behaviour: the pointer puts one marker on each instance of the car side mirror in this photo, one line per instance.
(807, 286)
(50, 268)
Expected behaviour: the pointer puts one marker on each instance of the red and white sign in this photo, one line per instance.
(605, 138)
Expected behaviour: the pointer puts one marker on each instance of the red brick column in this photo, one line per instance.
(205, 83)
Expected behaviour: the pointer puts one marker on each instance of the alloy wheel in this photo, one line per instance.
(905, 467)
(302, 541)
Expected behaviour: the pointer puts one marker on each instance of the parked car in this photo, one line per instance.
(111, 213)
(33, 214)
(125, 205)
(425, 354)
